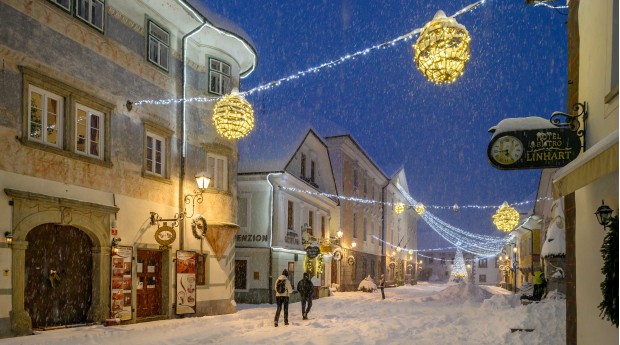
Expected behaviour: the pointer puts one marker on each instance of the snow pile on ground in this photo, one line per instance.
(367, 285)
(462, 292)
(500, 302)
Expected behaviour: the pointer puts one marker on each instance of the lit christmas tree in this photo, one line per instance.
(459, 271)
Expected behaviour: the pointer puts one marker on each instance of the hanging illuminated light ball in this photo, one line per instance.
(420, 208)
(506, 218)
(455, 208)
(442, 49)
(233, 116)
(399, 208)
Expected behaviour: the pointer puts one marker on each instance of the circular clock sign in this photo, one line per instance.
(506, 150)
(165, 235)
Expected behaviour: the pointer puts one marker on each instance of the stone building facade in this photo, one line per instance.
(87, 170)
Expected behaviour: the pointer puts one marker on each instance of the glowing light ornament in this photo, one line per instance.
(420, 208)
(399, 208)
(233, 116)
(442, 49)
(506, 218)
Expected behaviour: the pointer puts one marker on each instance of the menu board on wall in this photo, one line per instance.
(186, 282)
(121, 283)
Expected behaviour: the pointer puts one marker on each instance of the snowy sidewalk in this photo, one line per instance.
(422, 314)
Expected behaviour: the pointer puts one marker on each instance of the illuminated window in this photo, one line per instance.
(290, 215)
(45, 117)
(89, 136)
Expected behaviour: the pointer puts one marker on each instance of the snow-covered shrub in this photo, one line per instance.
(367, 285)
(333, 288)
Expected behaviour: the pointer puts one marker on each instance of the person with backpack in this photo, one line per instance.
(382, 286)
(305, 289)
(283, 288)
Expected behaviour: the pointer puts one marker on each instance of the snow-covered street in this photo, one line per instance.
(423, 314)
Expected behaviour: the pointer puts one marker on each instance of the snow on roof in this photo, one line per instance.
(275, 139)
(554, 243)
(521, 124)
(220, 22)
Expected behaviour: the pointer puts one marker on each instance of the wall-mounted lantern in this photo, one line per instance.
(603, 214)
(8, 238)
(202, 180)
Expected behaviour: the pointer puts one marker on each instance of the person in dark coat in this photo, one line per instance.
(282, 298)
(382, 286)
(305, 289)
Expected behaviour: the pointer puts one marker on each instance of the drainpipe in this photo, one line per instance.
(183, 124)
(270, 280)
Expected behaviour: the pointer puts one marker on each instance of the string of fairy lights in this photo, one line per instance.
(477, 244)
(311, 70)
(454, 207)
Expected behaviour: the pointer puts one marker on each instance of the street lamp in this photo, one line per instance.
(8, 238)
(603, 214)
(202, 181)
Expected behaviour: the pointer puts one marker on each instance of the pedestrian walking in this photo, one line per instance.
(382, 286)
(283, 288)
(305, 289)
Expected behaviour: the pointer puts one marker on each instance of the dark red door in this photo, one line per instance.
(58, 275)
(148, 290)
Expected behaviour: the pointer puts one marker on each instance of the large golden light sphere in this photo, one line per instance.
(233, 117)
(506, 218)
(442, 49)
(399, 208)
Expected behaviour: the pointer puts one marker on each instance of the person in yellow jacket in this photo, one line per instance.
(539, 284)
(283, 288)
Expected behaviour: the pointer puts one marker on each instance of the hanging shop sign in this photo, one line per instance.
(312, 251)
(165, 235)
(120, 304)
(186, 282)
(533, 149)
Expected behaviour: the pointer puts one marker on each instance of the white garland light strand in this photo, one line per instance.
(310, 70)
(545, 4)
(385, 203)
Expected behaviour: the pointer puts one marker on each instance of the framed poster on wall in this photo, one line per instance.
(186, 282)
(121, 271)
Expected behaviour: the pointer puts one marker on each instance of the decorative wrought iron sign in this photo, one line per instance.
(540, 148)
(165, 235)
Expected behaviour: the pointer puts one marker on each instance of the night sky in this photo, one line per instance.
(438, 133)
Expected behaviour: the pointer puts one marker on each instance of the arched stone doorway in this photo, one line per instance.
(58, 276)
(31, 210)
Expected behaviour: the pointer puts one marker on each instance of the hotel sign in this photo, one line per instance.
(533, 149)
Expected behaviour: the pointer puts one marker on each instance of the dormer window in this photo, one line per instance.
(312, 170)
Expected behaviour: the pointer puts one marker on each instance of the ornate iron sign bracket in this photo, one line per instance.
(571, 122)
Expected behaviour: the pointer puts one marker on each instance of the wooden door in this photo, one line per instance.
(149, 287)
(58, 276)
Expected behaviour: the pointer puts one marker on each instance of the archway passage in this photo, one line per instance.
(58, 276)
